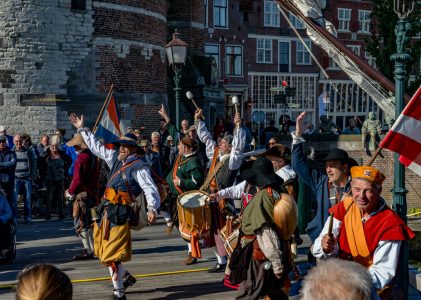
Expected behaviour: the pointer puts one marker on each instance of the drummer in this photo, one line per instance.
(185, 175)
(223, 175)
(262, 253)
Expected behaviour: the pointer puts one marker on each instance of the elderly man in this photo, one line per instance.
(25, 173)
(329, 187)
(365, 229)
(129, 176)
(223, 172)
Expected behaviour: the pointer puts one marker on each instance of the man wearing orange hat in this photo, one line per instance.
(364, 229)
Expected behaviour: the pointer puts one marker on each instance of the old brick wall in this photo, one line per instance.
(55, 59)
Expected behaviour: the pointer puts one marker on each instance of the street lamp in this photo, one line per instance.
(326, 102)
(402, 8)
(176, 53)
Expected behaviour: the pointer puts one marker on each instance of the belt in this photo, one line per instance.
(117, 197)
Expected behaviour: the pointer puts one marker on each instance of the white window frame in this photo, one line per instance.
(301, 52)
(218, 60)
(241, 63)
(221, 10)
(271, 14)
(264, 50)
(371, 60)
(355, 48)
(297, 23)
(289, 54)
(344, 19)
(364, 19)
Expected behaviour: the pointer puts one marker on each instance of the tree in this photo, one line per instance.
(382, 43)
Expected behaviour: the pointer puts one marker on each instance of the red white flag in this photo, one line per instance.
(404, 137)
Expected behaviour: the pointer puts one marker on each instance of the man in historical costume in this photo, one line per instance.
(186, 175)
(329, 187)
(129, 176)
(262, 261)
(366, 230)
(223, 173)
(83, 191)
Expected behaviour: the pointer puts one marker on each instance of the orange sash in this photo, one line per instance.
(174, 173)
(355, 234)
(213, 185)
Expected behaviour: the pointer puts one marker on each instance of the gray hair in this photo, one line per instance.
(337, 279)
(155, 133)
(55, 140)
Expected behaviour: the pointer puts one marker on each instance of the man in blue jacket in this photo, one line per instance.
(329, 187)
(7, 170)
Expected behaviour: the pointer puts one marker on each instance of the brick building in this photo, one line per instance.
(62, 56)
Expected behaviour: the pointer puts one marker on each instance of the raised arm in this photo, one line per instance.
(94, 144)
(238, 144)
(204, 134)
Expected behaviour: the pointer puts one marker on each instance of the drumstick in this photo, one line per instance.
(189, 96)
(235, 101)
(330, 225)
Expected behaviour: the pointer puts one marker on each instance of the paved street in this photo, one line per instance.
(157, 264)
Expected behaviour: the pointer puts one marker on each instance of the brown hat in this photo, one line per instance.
(77, 140)
(189, 142)
(278, 150)
(368, 173)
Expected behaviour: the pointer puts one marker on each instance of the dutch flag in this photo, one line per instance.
(111, 127)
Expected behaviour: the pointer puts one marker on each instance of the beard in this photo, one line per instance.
(122, 156)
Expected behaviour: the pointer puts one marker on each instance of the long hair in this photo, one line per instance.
(43, 282)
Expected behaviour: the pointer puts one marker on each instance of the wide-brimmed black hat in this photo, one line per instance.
(260, 173)
(341, 155)
(128, 139)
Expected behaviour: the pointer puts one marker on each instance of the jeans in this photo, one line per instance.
(19, 183)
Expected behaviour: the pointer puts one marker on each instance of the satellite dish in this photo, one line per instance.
(258, 116)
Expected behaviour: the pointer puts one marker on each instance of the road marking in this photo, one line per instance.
(12, 286)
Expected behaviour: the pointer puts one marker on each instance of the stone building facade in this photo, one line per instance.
(58, 56)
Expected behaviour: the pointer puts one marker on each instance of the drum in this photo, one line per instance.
(194, 215)
(230, 239)
(285, 216)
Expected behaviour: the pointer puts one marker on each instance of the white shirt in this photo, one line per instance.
(238, 144)
(385, 258)
(143, 175)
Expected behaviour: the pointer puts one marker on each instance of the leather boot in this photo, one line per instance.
(190, 260)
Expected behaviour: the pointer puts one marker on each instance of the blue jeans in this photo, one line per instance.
(19, 183)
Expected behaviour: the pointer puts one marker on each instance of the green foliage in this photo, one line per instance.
(382, 43)
(414, 211)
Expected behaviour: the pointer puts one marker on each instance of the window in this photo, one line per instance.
(371, 60)
(333, 64)
(220, 13)
(212, 51)
(264, 51)
(271, 14)
(79, 4)
(344, 18)
(303, 56)
(296, 22)
(355, 48)
(234, 61)
(283, 57)
(364, 21)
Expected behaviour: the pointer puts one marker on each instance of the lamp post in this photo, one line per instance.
(176, 53)
(402, 8)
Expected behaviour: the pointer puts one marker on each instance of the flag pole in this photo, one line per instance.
(103, 107)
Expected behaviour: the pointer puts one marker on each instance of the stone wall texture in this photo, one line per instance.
(55, 59)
